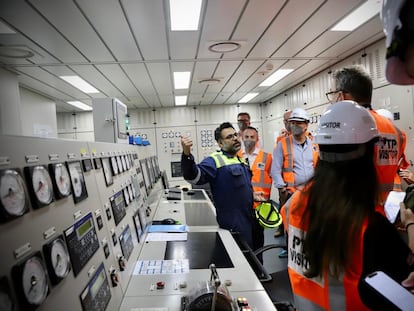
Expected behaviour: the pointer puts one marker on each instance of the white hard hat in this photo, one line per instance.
(385, 113)
(299, 114)
(345, 122)
(397, 37)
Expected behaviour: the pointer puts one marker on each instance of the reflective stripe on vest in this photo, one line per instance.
(221, 160)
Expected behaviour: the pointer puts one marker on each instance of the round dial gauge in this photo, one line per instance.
(35, 287)
(127, 161)
(62, 179)
(76, 181)
(131, 194)
(42, 184)
(119, 162)
(59, 258)
(107, 171)
(164, 135)
(114, 166)
(124, 165)
(126, 196)
(13, 193)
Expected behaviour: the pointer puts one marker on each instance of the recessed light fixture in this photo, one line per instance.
(182, 80)
(181, 100)
(185, 14)
(359, 16)
(209, 81)
(80, 105)
(80, 84)
(224, 47)
(276, 76)
(15, 52)
(248, 97)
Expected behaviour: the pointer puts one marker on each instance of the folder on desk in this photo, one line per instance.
(168, 228)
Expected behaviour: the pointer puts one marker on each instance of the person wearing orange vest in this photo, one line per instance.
(260, 163)
(336, 236)
(353, 83)
(402, 162)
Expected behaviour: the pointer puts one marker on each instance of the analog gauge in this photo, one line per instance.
(61, 179)
(126, 196)
(114, 166)
(203, 144)
(33, 280)
(124, 165)
(131, 194)
(177, 134)
(78, 181)
(13, 195)
(203, 138)
(119, 162)
(127, 161)
(203, 132)
(41, 185)
(57, 259)
(107, 172)
(164, 135)
(210, 144)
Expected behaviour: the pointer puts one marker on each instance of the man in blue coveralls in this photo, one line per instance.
(230, 181)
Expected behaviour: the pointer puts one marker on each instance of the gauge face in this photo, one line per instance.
(107, 171)
(34, 282)
(59, 257)
(61, 179)
(126, 196)
(114, 166)
(124, 165)
(41, 184)
(131, 194)
(78, 181)
(13, 196)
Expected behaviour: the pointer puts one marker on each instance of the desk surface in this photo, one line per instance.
(141, 293)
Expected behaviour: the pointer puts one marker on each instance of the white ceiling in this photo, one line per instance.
(125, 49)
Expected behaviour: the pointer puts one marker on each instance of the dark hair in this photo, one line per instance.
(252, 128)
(222, 126)
(355, 81)
(243, 114)
(341, 196)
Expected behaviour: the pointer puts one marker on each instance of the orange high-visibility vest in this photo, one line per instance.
(287, 168)
(402, 162)
(388, 151)
(319, 293)
(261, 179)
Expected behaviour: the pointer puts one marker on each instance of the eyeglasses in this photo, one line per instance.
(231, 136)
(243, 120)
(331, 95)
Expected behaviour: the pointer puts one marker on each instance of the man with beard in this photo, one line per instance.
(229, 177)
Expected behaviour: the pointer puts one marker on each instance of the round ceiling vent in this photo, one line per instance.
(15, 52)
(224, 47)
(209, 81)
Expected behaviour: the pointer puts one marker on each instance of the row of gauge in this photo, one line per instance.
(59, 180)
(73, 249)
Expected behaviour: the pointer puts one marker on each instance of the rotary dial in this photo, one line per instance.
(76, 181)
(13, 193)
(42, 184)
(35, 287)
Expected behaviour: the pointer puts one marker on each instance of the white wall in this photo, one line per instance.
(10, 109)
(38, 115)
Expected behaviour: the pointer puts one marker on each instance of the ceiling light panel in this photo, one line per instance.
(185, 14)
(275, 77)
(80, 84)
(359, 16)
(248, 97)
(182, 80)
(181, 100)
(80, 105)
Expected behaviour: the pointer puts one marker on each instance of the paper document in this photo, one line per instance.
(162, 236)
(176, 266)
(392, 205)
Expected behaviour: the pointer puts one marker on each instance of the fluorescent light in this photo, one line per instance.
(182, 80)
(359, 16)
(276, 76)
(181, 100)
(80, 105)
(248, 97)
(185, 14)
(80, 84)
